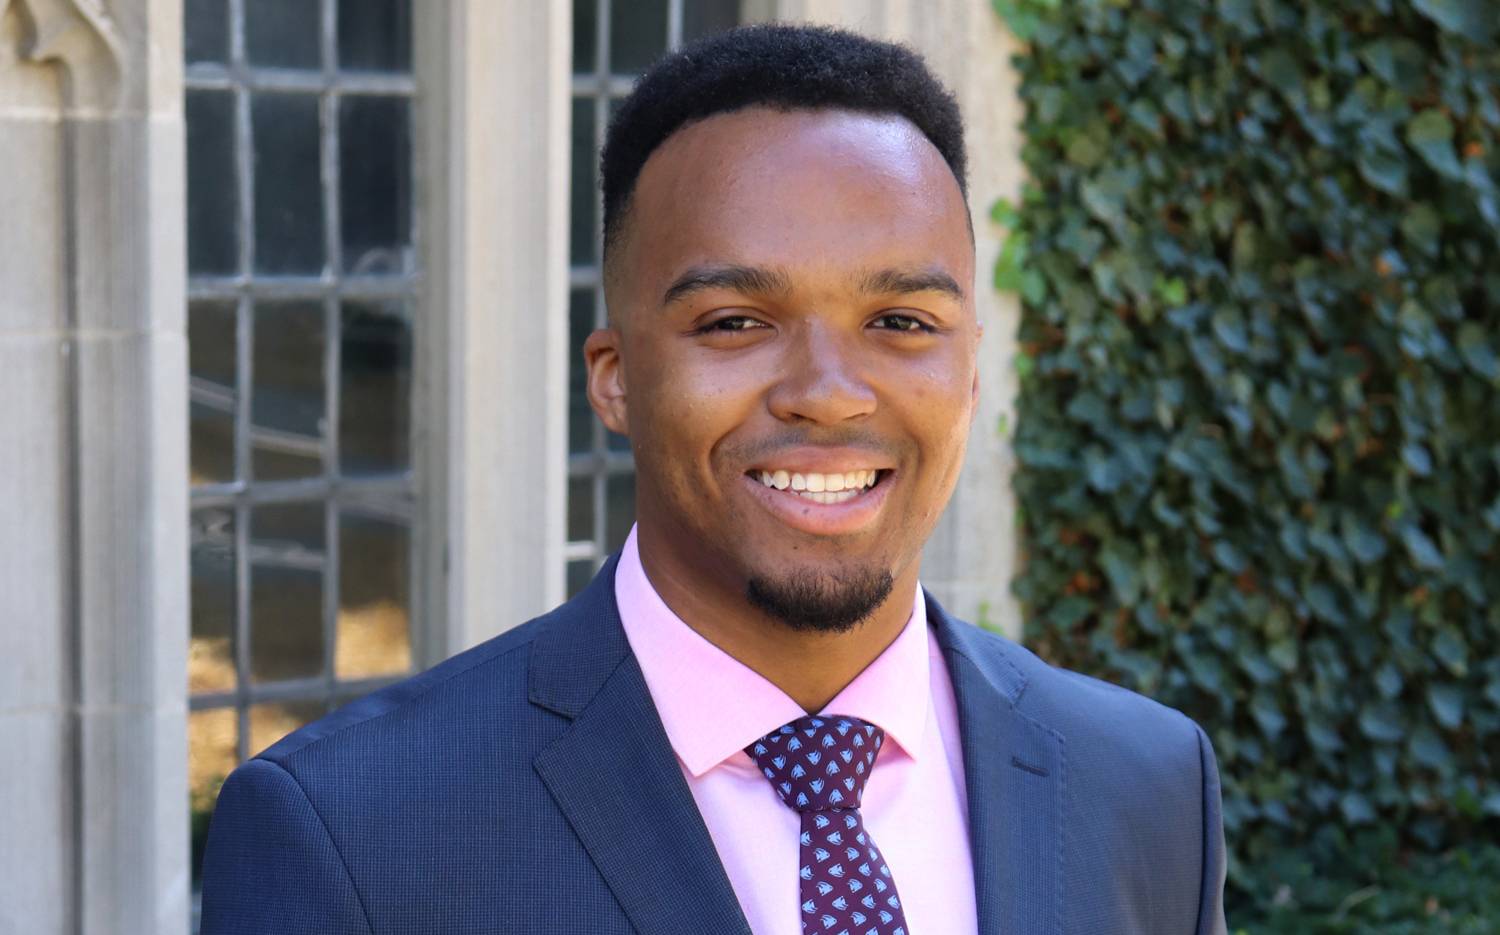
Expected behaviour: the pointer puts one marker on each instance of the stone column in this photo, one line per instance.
(493, 83)
(93, 469)
(973, 555)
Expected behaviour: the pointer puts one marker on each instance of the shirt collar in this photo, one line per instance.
(713, 706)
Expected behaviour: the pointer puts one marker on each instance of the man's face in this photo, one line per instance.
(792, 308)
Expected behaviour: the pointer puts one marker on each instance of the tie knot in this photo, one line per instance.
(817, 763)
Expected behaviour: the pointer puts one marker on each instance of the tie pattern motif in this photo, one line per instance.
(818, 766)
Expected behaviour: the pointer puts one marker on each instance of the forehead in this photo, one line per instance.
(834, 190)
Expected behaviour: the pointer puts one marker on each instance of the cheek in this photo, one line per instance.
(682, 410)
(940, 401)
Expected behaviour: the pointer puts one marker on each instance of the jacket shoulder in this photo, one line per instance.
(1095, 716)
(496, 667)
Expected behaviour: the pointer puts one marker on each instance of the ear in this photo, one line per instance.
(606, 379)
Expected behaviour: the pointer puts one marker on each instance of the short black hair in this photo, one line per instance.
(785, 67)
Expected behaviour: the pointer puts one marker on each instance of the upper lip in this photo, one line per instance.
(812, 460)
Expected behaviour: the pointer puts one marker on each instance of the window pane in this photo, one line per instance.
(374, 627)
(579, 575)
(580, 509)
(287, 403)
(288, 193)
(212, 217)
(375, 389)
(619, 510)
(375, 35)
(212, 737)
(585, 35)
(289, 531)
(583, 197)
(286, 628)
(271, 722)
(375, 183)
(282, 33)
(705, 17)
(212, 390)
(205, 31)
(211, 435)
(637, 35)
(211, 343)
(211, 650)
(580, 414)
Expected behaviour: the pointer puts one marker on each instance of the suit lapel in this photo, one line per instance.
(615, 777)
(1013, 769)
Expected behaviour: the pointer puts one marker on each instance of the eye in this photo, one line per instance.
(730, 324)
(895, 321)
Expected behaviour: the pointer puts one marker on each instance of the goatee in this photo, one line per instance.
(821, 602)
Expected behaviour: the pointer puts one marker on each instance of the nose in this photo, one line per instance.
(822, 379)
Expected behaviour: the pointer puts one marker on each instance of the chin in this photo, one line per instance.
(832, 600)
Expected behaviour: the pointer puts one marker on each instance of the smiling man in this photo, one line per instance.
(754, 719)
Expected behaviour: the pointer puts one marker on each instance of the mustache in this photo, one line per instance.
(858, 438)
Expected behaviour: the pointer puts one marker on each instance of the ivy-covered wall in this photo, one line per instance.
(1259, 418)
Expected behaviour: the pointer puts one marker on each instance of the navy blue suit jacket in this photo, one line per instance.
(527, 786)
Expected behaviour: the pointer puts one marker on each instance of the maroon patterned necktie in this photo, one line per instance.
(818, 766)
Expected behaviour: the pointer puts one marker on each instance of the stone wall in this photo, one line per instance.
(93, 469)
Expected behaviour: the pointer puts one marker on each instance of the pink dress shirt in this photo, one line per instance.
(713, 706)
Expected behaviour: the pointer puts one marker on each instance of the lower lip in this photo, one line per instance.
(823, 519)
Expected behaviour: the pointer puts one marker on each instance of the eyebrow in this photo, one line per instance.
(902, 282)
(760, 280)
(753, 280)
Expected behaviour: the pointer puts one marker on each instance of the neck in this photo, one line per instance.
(811, 667)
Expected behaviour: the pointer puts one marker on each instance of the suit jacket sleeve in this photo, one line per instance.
(271, 865)
(1211, 919)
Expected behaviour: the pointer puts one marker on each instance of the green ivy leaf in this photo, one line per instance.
(1448, 646)
(1416, 458)
(1428, 749)
(1281, 71)
(1268, 716)
(1365, 542)
(1005, 213)
(1356, 809)
(1010, 266)
(1388, 681)
(1420, 547)
(1430, 133)
(1469, 19)
(1322, 736)
(1119, 567)
(1382, 722)
(1447, 704)
(1397, 61)
(1381, 162)
(1475, 348)
(1173, 292)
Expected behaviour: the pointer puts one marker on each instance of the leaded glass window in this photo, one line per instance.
(301, 320)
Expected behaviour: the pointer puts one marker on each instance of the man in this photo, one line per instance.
(753, 720)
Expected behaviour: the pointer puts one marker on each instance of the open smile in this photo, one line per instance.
(822, 503)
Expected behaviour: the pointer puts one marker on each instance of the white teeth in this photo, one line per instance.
(821, 488)
(831, 497)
